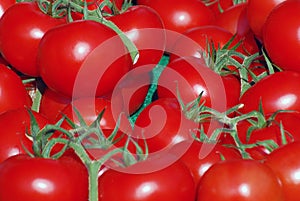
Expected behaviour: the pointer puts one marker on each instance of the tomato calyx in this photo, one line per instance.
(81, 139)
(200, 113)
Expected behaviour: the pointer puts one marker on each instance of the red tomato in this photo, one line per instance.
(285, 163)
(194, 41)
(144, 27)
(283, 22)
(36, 179)
(130, 92)
(239, 180)
(89, 109)
(198, 161)
(93, 57)
(285, 97)
(13, 94)
(234, 19)
(26, 24)
(181, 16)
(163, 125)
(174, 182)
(257, 13)
(191, 76)
(15, 124)
(52, 104)
(218, 6)
(4, 5)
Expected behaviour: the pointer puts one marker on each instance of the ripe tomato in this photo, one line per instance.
(190, 76)
(4, 5)
(13, 93)
(234, 19)
(36, 179)
(163, 125)
(15, 124)
(130, 92)
(199, 162)
(285, 97)
(144, 27)
(52, 103)
(26, 24)
(271, 131)
(93, 57)
(194, 41)
(239, 180)
(180, 16)
(283, 22)
(257, 13)
(285, 163)
(174, 182)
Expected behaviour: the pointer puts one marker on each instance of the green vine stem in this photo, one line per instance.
(93, 166)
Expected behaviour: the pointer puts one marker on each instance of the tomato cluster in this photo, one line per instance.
(120, 100)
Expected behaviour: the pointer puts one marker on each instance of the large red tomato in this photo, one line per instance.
(162, 125)
(239, 180)
(181, 15)
(25, 178)
(27, 24)
(281, 35)
(285, 97)
(15, 124)
(13, 94)
(194, 41)
(82, 58)
(174, 182)
(257, 13)
(144, 27)
(234, 19)
(198, 161)
(52, 103)
(286, 165)
(191, 77)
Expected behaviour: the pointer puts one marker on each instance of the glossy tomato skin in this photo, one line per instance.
(14, 125)
(191, 77)
(163, 125)
(285, 97)
(285, 163)
(52, 103)
(194, 41)
(144, 27)
(223, 4)
(81, 65)
(198, 160)
(4, 5)
(256, 21)
(181, 16)
(234, 19)
(27, 25)
(241, 180)
(283, 22)
(174, 182)
(26, 178)
(13, 93)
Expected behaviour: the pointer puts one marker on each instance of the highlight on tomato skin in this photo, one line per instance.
(149, 100)
(239, 179)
